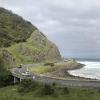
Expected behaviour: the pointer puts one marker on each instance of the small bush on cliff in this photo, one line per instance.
(49, 64)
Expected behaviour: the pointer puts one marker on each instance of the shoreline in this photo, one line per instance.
(78, 66)
(78, 77)
(63, 73)
(66, 75)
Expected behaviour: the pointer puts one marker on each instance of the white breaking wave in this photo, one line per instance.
(91, 64)
(90, 70)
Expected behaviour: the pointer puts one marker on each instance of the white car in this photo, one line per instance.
(26, 73)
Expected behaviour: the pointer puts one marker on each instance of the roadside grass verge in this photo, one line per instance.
(41, 69)
(11, 93)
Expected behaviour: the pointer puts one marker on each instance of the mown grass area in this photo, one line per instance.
(41, 69)
(11, 93)
(50, 67)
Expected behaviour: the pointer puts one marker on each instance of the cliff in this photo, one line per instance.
(22, 42)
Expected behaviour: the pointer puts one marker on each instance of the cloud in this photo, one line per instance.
(74, 25)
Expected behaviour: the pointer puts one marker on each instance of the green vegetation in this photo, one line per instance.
(13, 28)
(45, 68)
(27, 85)
(5, 75)
(5, 78)
(49, 64)
(22, 42)
(47, 90)
(42, 69)
(51, 67)
(11, 93)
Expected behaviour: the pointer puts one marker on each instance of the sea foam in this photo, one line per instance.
(90, 70)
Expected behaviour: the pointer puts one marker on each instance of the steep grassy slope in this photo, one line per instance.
(13, 28)
(21, 42)
(37, 49)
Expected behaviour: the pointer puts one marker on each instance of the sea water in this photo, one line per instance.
(90, 70)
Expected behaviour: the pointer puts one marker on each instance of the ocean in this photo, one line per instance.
(91, 70)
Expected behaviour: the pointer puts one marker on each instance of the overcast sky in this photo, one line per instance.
(74, 25)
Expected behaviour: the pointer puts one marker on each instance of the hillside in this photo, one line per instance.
(13, 28)
(22, 42)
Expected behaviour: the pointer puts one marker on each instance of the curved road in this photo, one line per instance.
(18, 72)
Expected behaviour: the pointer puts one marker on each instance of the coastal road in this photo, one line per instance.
(18, 72)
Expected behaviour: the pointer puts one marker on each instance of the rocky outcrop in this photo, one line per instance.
(39, 40)
(63, 67)
(53, 53)
(6, 59)
(37, 48)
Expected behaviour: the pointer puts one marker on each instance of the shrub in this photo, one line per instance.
(99, 90)
(49, 64)
(47, 90)
(6, 78)
(54, 84)
(27, 85)
(65, 90)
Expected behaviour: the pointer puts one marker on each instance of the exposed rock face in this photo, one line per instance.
(39, 40)
(6, 59)
(23, 42)
(53, 53)
(37, 49)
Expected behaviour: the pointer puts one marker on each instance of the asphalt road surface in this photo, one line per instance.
(17, 72)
